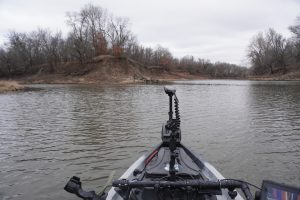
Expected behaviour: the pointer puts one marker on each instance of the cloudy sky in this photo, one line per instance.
(219, 30)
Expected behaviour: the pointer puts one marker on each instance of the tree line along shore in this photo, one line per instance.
(101, 47)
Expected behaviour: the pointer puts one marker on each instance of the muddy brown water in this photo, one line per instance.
(248, 130)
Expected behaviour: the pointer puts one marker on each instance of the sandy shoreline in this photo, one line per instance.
(6, 86)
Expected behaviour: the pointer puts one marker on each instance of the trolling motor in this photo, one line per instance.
(171, 133)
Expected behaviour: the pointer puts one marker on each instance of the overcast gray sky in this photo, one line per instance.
(219, 30)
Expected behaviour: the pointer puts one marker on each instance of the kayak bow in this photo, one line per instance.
(169, 171)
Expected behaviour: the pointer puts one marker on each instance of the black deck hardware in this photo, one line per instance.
(74, 186)
(206, 187)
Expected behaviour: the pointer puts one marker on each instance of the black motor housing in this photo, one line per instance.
(166, 134)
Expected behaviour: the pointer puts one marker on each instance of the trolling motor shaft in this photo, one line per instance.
(173, 124)
(171, 133)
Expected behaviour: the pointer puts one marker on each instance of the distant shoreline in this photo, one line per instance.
(111, 70)
(290, 76)
(17, 84)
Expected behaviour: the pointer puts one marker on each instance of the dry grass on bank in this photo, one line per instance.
(6, 86)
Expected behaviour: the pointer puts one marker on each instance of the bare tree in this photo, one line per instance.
(295, 29)
(6, 63)
(78, 36)
(95, 19)
(50, 44)
(294, 44)
(21, 46)
(267, 52)
(119, 34)
(162, 57)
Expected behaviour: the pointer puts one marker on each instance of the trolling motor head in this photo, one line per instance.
(170, 92)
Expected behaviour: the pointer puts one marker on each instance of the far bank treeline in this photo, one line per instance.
(94, 32)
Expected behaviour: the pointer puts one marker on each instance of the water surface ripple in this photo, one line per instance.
(248, 130)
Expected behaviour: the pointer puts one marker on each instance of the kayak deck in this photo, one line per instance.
(158, 166)
(153, 166)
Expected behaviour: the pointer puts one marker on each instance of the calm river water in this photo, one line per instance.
(248, 130)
